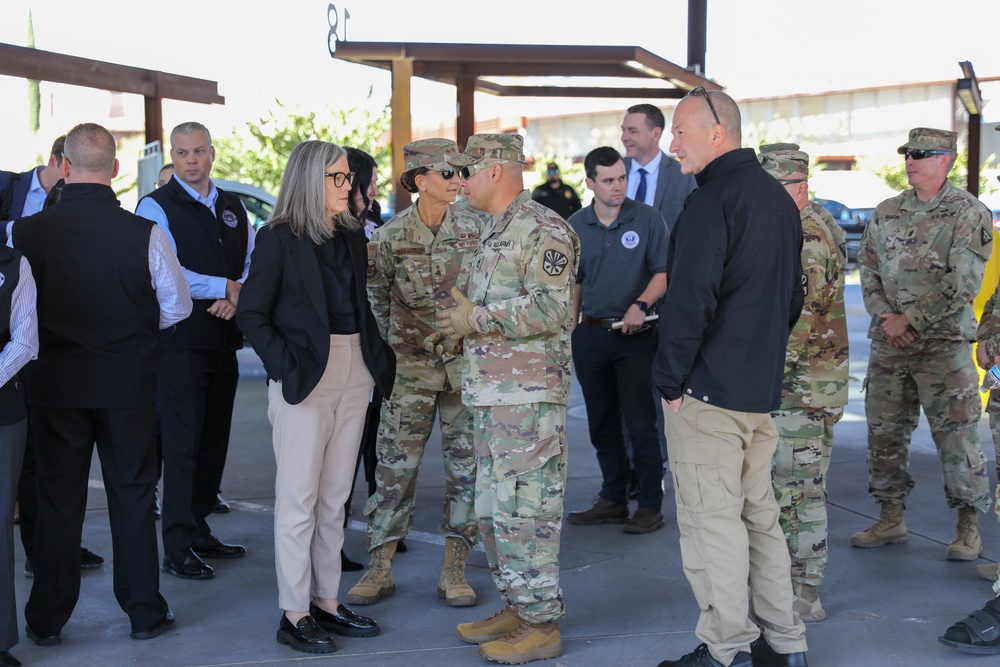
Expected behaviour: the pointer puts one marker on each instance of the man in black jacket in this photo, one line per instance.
(199, 372)
(735, 292)
(107, 282)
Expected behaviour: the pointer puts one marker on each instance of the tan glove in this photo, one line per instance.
(437, 343)
(456, 323)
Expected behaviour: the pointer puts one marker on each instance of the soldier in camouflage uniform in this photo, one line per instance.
(836, 232)
(814, 391)
(515, 328)
(413, 263)
(921, 261)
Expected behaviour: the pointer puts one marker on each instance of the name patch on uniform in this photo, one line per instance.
(409, 251)
(630, 239)
(229, 218)
(500, 244)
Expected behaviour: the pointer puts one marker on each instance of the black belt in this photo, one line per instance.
(605, 322)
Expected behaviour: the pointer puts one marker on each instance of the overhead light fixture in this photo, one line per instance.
(968, 92)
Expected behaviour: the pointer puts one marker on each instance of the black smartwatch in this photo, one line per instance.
(643, 306)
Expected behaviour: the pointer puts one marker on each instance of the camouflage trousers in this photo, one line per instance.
(520, 482)
(993, 409)
(406, 422)
(798, 473)
(940, 376)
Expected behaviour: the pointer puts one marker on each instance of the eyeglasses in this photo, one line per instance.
(791, 181)
(66, 157)
(468, 172)
(921, 154)
(700, 90)
(339, 177)
(446, 174)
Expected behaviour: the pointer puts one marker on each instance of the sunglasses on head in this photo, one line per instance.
(700, 90)
(920, 153)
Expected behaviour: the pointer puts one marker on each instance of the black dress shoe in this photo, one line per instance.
(221, 506)
(7, 660)
(89, 560)
(305, 636)
(348, 565)
(51, 640)
(345, 622)
(400, 547)
(765, 656)
(186, 565)
(209, 546)
(157, 629)
(700, 657)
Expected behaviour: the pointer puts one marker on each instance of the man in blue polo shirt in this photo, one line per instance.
(622, 276)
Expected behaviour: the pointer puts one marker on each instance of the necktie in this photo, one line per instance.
(640, 192)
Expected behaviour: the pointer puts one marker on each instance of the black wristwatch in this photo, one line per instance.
(643, 306)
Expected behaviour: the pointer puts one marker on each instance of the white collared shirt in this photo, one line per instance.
(652, 170)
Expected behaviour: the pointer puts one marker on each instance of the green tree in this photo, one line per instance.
(894, 172)
(258, 154)
(34, 92)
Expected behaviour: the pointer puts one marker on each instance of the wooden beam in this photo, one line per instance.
(465, 124)
(402, 71)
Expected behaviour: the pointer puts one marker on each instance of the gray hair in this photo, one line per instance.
(188, 128)
(301, 202)
(91, 149)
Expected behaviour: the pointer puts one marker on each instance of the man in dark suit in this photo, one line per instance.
(107, 281)
(653, 177)
(24, 194)
(198, 372)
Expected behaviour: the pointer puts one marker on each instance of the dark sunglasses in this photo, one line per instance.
(339, 177)
(791, 181)
(468, 172)
(700, 90)
(446, 174)
(921, 154)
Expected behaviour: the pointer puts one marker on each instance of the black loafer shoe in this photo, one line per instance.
(186, 565)
(700, 657)
(305, 636)
(345, 622)
(51, 640)
(7, 660)
(89, 560)
(765, 656)
(221, 506)
(157, 629)
(209, 546)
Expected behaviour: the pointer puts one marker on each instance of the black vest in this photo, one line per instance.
(212, 245)
(98, 316)
(12, 405)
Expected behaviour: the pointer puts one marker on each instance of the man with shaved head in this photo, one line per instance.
(735, 293)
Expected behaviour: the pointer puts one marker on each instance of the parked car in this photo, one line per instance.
(851, 198)
(258, 203)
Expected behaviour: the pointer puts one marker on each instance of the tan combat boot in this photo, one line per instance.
(525, 643)
(967, 544)
(889, 529)
(377, 583)
(452, 587)
(496, 626)
(807, 605)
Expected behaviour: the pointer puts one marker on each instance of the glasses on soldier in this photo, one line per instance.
(339, 177)
(700, 90)
(921, 154)
(446, 174)
(468, 172)
(791, 181)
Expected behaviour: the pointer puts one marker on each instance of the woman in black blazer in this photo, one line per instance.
(304, 310)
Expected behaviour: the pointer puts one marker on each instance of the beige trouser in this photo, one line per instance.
(732, 548)
(315, 447)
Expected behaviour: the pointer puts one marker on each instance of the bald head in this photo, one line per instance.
(90, 152)
(703, 131)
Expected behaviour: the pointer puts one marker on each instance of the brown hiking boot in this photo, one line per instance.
(377, 582)
(452, 587)
(495, 627)
(645, 520)
(989, 571)
(889, 529)
(967, 545)
(525, 643)
(807, 605)
(603, 511)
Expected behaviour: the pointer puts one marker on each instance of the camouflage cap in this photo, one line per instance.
(929, 139)
(770, 148)
(785, 163)
(430, 153)
(490, 147)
